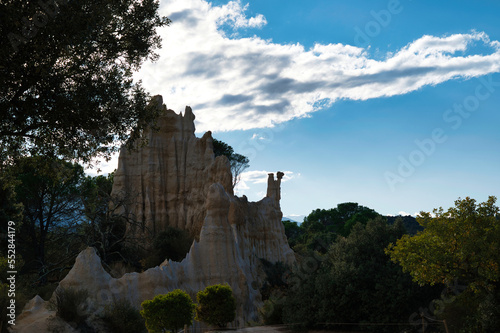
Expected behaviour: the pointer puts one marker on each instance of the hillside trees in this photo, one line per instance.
(322, 226)
(66, 80)
(293, 232)
(339, 219)
(354, 282)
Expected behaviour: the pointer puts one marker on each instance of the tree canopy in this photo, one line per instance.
(66, 78)
(354, 282)
(462, 243)
(216, 305)
(339, 219)
(458, 246)
(168, 312)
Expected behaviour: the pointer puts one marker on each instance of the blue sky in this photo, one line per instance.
(393, 104)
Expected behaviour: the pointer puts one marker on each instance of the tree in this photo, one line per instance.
(216, 305)
(461, 243)
(49, 191)
(322, 226)
(238, 162)
(66, 80)
(168, 312)
(293, 232)
(104, 227)
(355, 282)
(340, 219)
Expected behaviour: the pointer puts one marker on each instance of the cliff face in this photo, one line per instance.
(165, 183)
(176, 181)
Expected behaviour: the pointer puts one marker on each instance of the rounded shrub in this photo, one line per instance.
(168, 311)
(216, 305)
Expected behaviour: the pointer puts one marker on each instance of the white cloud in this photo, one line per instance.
(403, 213)
(233, 13)
(249, 178)
(243, 83)
(260, 137)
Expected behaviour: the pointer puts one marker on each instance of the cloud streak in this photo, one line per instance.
(243, 83)
(250, 178)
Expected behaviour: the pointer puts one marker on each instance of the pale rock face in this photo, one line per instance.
(182, 185)
(166, 182)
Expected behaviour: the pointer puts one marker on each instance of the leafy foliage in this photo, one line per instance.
(339, 220)
(293, 232)
(216, 305)
(473, 312)
(322, 226)
(168, 312)
(238, 162)
(354, 282)
(66, 79)
(460, 243)
(123, 317)
(409, 222)
(49, 192)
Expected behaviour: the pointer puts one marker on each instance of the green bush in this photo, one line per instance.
(123, 317)
(216, 305)
(70, 304)
(168, 312)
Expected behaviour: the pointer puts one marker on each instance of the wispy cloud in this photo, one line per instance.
(244, 83)
(250, 178)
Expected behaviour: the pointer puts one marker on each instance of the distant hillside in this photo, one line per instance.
(409, 222)
(297, 219)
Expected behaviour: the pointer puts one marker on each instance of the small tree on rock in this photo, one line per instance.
(238, 162)
(216, 305)
(168, 312)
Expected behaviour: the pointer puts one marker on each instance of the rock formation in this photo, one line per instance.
(178, 182)
(166, 181)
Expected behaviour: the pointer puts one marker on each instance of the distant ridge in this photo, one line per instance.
(300, 219)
